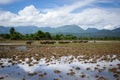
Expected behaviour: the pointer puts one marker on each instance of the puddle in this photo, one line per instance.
(21, 48)
(64, 68)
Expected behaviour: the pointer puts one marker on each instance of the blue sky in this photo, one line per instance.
(101, 14)
(15, 6)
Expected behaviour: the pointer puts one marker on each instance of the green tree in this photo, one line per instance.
(12, 30)
(5, 36)
(47, 35)
(15, 35)
(39, 35)
(70, 37)
(57, 37)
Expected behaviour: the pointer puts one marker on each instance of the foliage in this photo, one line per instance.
(12, 30)
(39, 35)
(48, 35)
(15, 35)
(5, 36)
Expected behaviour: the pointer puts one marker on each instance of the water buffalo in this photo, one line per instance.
(51, 42)
(47, 42)
(29, 42)
(64, 42)
(43, 42)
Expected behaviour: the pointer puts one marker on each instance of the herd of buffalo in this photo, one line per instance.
(59, 42)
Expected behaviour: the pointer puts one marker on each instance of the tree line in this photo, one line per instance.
(40, 35)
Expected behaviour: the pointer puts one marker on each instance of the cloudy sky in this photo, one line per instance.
(101, 14)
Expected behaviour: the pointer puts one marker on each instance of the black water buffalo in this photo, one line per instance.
(64, 42)
(29, 42)
(51, 42)
(47, 42)
(43, 42)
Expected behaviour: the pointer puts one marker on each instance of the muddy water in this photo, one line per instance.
(64, 68)
(67, 68)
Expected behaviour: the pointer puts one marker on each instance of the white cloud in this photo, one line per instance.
(5, 18)
(89, 17)
(108, 27)
(97, 18)
(28, 11)
(7, 1)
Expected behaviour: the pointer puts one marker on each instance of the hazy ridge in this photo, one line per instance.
(67, 29)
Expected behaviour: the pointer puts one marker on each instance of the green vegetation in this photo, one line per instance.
(39, 35)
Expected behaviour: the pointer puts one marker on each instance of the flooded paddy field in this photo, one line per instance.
(73, 61)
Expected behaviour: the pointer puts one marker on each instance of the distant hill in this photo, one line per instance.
(63, 29)
(67, 29)
(47, 29)
(117, 30)
(4, 29)
(27, 29)
(92, 30)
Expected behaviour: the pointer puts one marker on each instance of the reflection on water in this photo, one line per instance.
(64, 68)
(21, 48)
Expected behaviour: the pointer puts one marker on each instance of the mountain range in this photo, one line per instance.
(67, 29)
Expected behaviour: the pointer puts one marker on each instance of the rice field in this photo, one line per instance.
(72, 61)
